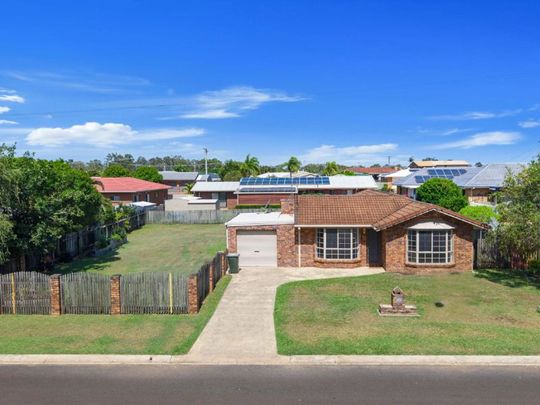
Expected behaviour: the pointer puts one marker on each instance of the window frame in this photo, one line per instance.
(415, 255)
(344, 237)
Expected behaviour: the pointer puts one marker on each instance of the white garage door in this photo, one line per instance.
(257, 248)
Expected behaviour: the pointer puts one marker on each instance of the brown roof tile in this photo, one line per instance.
(370, 208)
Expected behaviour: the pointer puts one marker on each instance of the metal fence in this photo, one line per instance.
(194, 217)
(85, 293)
(25, 293)
(154, 293)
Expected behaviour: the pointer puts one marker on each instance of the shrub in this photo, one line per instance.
(102, 243)
(534, 266)
(443, 192)
(481, 213)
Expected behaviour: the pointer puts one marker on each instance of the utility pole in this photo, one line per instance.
(205, 161)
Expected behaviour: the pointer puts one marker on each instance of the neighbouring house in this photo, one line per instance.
(370, 228)
(478, 183)
(208, 177)
(272, 190)
(421, 164)
(390, 178)
(181, 202)
(375, 172)
(178, 180)
(127, 190)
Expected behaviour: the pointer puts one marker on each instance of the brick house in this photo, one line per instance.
(127, 190)
(370, 228)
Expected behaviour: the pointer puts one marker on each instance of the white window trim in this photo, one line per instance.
(354, 234)
(448, 240)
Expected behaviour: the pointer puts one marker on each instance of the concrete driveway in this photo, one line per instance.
(242, 328)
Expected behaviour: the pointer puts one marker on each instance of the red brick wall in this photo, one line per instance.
(157, 197)
(261, 199)
(394, 242)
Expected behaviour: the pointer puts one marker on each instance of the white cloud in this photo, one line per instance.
(232, 102)
(8, 122)
(13, 98)
(4, 109)
(103, 135)
(529, 124)
(482, 139)
(476, 115)
(347, 154)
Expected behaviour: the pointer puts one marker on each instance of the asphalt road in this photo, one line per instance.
(175, 384)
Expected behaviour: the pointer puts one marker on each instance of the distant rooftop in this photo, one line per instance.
(170, 175)
(438, 163)
(126, 185)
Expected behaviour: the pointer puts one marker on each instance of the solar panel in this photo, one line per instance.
(257, 181)
(277, 190)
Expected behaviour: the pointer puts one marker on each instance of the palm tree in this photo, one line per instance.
(188, 187)
(293, 165)
(250, 166)
(331, 169)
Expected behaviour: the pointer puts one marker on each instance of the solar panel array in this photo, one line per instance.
(440, 174)
(278, 181)
(276, 190)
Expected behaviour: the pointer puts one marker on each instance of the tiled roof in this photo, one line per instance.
(367, 208)
(126, 185)
(439, 163)
(372, 170)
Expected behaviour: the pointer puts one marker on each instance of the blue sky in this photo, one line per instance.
(352, 81)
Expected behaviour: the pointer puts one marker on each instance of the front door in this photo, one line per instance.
(374, 247)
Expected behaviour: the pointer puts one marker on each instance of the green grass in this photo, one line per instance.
(167, 248)
(106, 334)
(491, 312)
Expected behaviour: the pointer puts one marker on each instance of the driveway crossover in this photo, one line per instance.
(242, 328)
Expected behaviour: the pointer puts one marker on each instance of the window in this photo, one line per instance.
(430, 246)
(115, 198)
(337, 243)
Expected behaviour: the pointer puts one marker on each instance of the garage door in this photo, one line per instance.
(257, 248)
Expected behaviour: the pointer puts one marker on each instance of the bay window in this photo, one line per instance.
(430, 246)
(337, 243)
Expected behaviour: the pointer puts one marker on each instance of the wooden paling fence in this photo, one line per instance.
(25, 293)
(30, 293)
(85, 293)
(154, 293)
(488, 254)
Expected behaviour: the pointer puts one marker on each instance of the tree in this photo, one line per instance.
(519, 212)
(233, 175)
(443, 192)
(46, 200)
(478, 164)
(315, 168)
(230, 166)
(426, 159)
(188, 187)
(331, 169)
(127, 161)
(148, 173)
(181, 168)
(250, 166)
(293, 165)
(115, 170)
(481, 213)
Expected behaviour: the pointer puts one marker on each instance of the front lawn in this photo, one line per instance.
(488, 313)
(106, 334)
(167, 248)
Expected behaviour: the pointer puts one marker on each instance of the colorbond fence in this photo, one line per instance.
(194, 217)
(92, 293)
